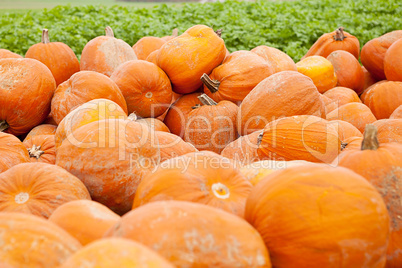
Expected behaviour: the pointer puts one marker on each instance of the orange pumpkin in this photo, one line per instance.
(383, 98)
(289, 93)
(4, 53)
(348, 70)
(397, 113)
(358, 114)
(85, 220)
(41, 148)
(300, 137)
(104, 54)
(320, 70)
(153, 123)
(57, 56)
(12, 152)
(352, 143)
(373, 53)
(187, 234)
(38, 189)
(381, 164)
(30, 241)
(279, 60)
(176, 117)
(342, 95)
(244, 149)
(26, 91)
(146, 46)
(153, 57)
(238, 74)
(180, 57)
(211, 126)
(345, 130)
(393, 62)
(389, 130)
(145, 87)
(330, 104)
(116, 252)
(81, 88)
(312, 216)
(368, 79)
(336, 40)
(44, 129)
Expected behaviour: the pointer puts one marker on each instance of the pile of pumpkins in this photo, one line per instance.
(176, 153)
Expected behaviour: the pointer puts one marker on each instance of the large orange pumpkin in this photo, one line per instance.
(145, 87)
(397, 113)
(30, 241)
(44, 129)
(41, 148)
(104, 54)
(147, 45)
(12, 152)
(4, 53)
(279, 60)
(238, 74)
(342, 95)
(373, 53)
(57, 56)
(85, 220)
(320, 216)
(389, 130)
(194, 235)
(320, 70)
(81, 88)
(26, 90)
(180, 57)
(116, 252)
(381, 164)
(38, 188)
(244, 149)
(383, 98)
(348, 70)
(211, 126)
(336, 40)
(393, 62)
(289, 93)
(196, 177)
(302, 137)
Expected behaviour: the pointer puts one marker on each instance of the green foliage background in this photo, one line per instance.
(292, 26)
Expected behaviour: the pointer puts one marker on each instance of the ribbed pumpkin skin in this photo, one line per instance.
(38, 189)
(243, 149)
(383, 98)
(146, 46)
(4, 54)
(348, 70)
(358, 114)
(44, 129)
(279, 60)
(187, 234)
(393, 62)
(81, 88)
(327, 43)
(26, 92)
(389, 130)
(104, 54)
(342, 95)
(116, 252)
(19, 231)
(176, 118)
(303, 137)
(85, 220)
(320, 70)
(215, 182)
(57, 56)
(238, 74)
(320, 216)
(41, 148)
(397, 113)
(373, 53)
(181, 58)
(124, 155)
(145, 87)
(352, 143)
(12, 152)
(290, 93)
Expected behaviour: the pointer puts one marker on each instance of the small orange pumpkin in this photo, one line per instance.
(41, 148)
(345, 130)
(147, 45)
(393, 62)
(12, 152)
(279, 60)
(44, 129)
(342, 95)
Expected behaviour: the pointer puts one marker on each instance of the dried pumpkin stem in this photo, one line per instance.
(45, 36)
(370, 140)
(196, 106)
(206, 100)
(35, 151)
(3, 125)
(109, 31)
(339, 35)
(219, 32)
(175, 32)
(259, 139)
(132, 117)
(343, 145)
(212, 85)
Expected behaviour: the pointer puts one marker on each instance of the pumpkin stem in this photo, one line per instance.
(133, 117)
(35, 151)
(196, 106)
(212, 85)
(109, 31)
(206, 100)
(339, 35)
(175, 32)
(370, 141)
(3, 125)
(259, 139)
(219, 32)
(45, 36)
(343, 145)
